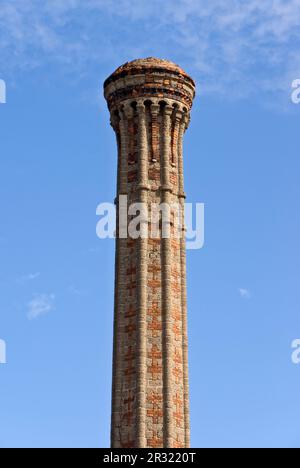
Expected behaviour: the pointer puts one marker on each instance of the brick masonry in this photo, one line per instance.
(149, 102)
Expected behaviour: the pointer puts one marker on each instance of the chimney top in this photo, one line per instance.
(149, 77)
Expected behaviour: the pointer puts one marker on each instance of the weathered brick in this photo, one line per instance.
(149, 100)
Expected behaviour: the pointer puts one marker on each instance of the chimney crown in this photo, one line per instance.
(149, 78)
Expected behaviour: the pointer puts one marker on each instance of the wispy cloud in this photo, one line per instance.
(40, 304)
(231, 47)
(244, 293)
(76, 291)
(28, 277)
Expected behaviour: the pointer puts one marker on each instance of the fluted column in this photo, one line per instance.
(166, 283)
(177, 118)
(154, 132)
(142, 284)
(119, 289)
(182, 128)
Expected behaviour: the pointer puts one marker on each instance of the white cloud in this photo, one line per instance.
(76, 291)
(231, 47)
(28, 277)
(244, 293)
(40, 304)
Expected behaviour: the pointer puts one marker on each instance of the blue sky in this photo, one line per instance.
(58, 162)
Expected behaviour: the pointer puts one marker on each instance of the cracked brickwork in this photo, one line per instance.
(149, 102)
